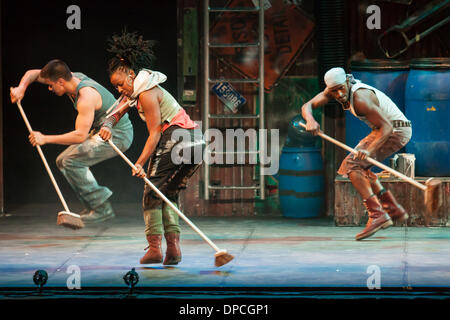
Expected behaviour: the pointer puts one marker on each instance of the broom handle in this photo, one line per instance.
(166, 200)
(120, 109)
(43, 159)
(114, 104)
(371, 160)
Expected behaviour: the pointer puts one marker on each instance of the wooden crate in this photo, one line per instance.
(350, 211)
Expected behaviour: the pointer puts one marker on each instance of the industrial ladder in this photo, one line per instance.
(206, 91)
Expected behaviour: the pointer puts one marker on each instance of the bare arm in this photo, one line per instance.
(319, 100)
(150, 105)
(87, 102)
(17, 93)
(366, 104)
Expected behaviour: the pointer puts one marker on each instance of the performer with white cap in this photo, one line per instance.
(391, 131)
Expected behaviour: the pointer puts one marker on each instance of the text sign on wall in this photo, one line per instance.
(286, 31)
(228, 95)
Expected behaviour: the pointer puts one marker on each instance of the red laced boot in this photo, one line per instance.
(173, 252)
(392, 207)
(378, 218)
(154, 254)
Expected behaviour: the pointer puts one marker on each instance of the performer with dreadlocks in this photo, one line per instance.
(163, 115)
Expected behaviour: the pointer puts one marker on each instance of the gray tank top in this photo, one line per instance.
(107, 100)
(169, 107)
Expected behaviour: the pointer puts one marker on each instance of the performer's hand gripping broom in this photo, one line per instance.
(432, 188)
(221, 256)
(65, 218)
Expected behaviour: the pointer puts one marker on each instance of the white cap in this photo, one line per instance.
(334, 77)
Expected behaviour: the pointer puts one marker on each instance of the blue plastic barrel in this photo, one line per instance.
(388, 76)
(301, 182)
(428, 108)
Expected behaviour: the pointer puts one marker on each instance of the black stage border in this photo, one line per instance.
(212, 293)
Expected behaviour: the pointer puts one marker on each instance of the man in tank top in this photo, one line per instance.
(391, 131)
(91, 101)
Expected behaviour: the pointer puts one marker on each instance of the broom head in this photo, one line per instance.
(70, 220)
(222, 257)
(433, 195)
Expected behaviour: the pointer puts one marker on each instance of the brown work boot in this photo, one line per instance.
(392, 207)
(173, 252)
(99, 214)
(154, 254)
(378, 218)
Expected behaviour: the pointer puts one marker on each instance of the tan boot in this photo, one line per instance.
(173, 252)
(154, 254)
(378, 218)
(391, 206)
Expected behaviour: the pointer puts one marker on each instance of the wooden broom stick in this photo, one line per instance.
(433, 197)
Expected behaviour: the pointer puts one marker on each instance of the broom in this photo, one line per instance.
(65, 218)
(433, 196)
(221, 256)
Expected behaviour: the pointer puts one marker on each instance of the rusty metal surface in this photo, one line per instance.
(287, 30)
(224, 202)
(363, 41)
(363, 45)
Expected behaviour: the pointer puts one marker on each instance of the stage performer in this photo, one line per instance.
(391, 131)
(163, 116)
(91, 101)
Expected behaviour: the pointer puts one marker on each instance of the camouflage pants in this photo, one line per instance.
(169, 178)
(397, 140)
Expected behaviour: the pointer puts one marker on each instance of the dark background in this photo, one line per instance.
(35, 32)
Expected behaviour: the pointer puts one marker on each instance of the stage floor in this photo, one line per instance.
(270, 252)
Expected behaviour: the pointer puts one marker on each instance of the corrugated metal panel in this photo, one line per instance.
(364, 41)
(363, 44)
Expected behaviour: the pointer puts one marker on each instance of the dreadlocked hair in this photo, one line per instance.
(130, 51)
